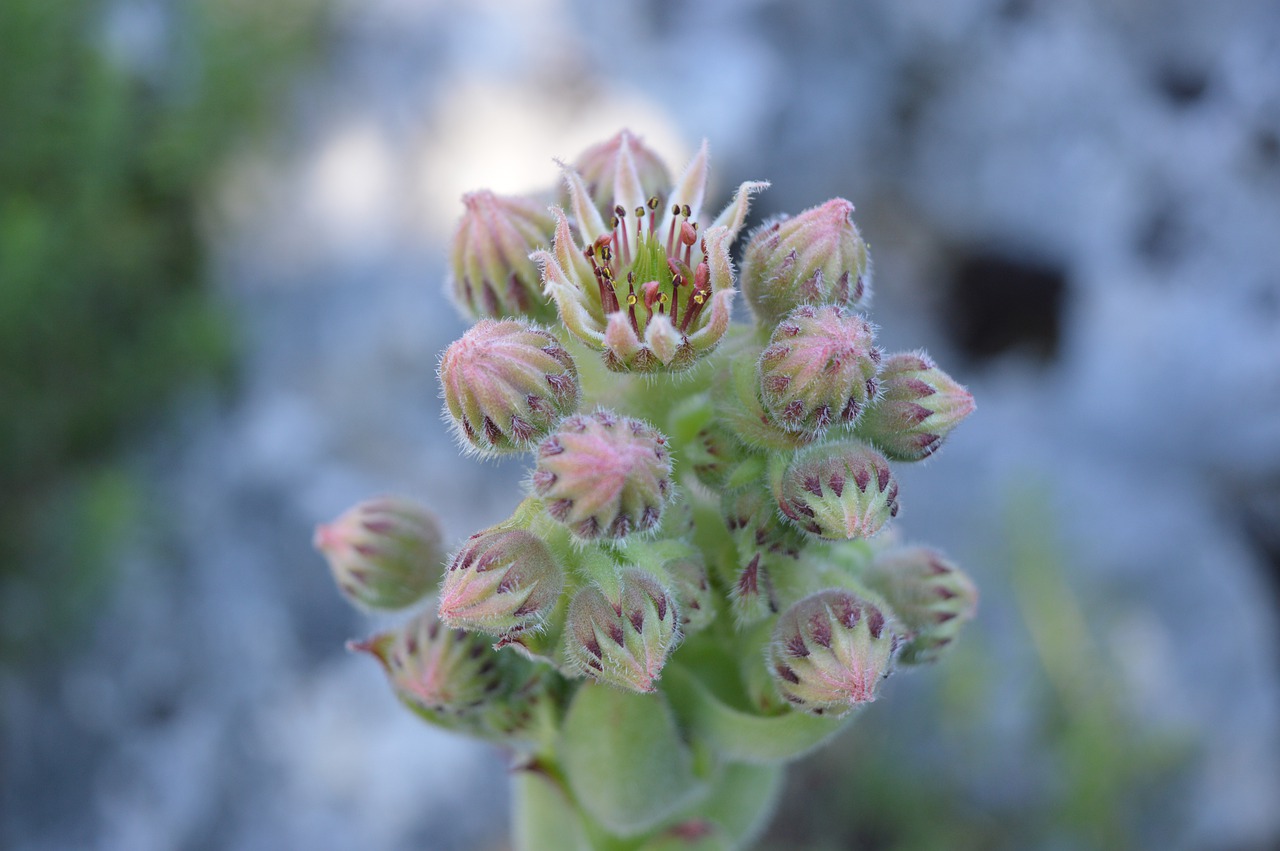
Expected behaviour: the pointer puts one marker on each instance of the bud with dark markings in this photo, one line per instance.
(686, 573)
(931, 596)
(830, 650)
(838, 491)
(819, 368)
(384, 553)
(920, 406)
(436, 668)
(503, 582)
(490, 273)
(817, 257)
(506, 383)
(623, 641)
(604, 475)
(764, 541)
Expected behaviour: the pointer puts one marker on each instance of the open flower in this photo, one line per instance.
(647, 286)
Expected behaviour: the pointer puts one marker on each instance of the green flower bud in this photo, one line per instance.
(686, 572)
(623, 641)
(490, 273)
(819, 368)
(385, 553)
(506, 384)
(920, 406)
(838, 491)
(764, 542)
(830, 650)
(502, 581)
(601, 474)
(817, 257)
(932, 597)
(437, 669)
(620, 169)
(712, 454)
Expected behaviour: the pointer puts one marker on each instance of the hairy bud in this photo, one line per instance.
(686, 573)
(819, 368)
(436, 668)
(931, 596)
(506, 384)
(502, 581)
(385, 553)
(624, 642)
(764, 542)
(604, 475)
(621, 168)
(920, 406)
(817, 257)
(490, 273)
(830, 650)
(838, 491)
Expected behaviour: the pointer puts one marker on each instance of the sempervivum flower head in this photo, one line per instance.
(601, 474)
(838, 491)
(830, 651)
(385, 553)
(505, 384)
(490, 273)
(644, 284)
(932, 596)
(920, 407)
(817, 257)
(819, 368)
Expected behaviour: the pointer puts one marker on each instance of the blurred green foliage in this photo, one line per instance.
(106, 156)
(1054, 759)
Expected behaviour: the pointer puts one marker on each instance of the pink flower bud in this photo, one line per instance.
(491, 274)
(819, 368)
(506, 384)
(502, 581)
(439, 669)
(839, 491)
(601, 474)
(920, 406)
(817, 257)
(385, 553)
(623, 641)
(830, 650)
(622, 168)
(932, 597)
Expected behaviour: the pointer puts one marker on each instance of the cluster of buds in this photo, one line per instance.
(718, 508)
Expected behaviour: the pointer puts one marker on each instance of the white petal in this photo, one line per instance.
(734, 216)
(590, 225)
(663, 338)
(690, 188)
(620, 337)
(627, 190)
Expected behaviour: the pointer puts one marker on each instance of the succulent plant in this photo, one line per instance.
(686, 597)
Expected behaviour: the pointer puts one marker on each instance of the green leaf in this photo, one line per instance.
(741, 736)
(624, 759)
(543, 818)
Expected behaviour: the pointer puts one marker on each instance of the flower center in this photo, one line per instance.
(636, 267)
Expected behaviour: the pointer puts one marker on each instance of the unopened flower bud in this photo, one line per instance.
(502, 581)
(839, 491)
(819, 368)
(712, 454)
(506, 384)
(686, 572)
(436, 668)
(736, 396)
(830, 650)
(623, 168)
(624, 642)
(602, 474)
(931, 596)
(490, 273)
(920, 405)
(763, 542)
(817, 257)
(385, 553)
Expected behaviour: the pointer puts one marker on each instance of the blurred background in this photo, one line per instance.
(221, 261)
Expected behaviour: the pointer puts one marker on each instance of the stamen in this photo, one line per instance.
(654, 203)
(620, 218)
(631, 302)
(671, 232)
(688, 235)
